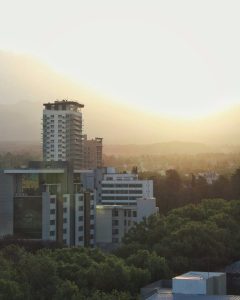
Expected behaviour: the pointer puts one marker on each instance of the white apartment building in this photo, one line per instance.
(114, 221)
(62, 132)
(124, 188)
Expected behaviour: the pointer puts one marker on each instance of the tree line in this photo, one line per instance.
(173, 191)
(200, 237)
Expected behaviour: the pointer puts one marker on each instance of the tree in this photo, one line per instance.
(66, 290)
(10, 290)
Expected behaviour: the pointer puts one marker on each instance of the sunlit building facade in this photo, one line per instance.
(62, 132)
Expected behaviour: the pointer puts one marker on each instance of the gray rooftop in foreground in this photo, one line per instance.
(190, 297)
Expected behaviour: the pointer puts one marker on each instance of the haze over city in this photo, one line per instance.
(157, 70)
(119, 150)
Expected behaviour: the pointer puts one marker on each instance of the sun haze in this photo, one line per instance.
(178, 58)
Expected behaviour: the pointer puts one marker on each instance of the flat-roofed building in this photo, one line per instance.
(114, 221)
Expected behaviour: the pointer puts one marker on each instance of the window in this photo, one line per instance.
(91, 236)
(129, 213)
(115, 222)
(52, 233)
(80, 208)
(115, 213)
(115, 240)
(80, 218)
(129, 223)
(65, 209)
(92, 206)
(52, 211)
(52, 222)
(135, 192)
(52, 200)
(136, 185)
(80, 239)
(115, 231)
(65, 220)
(64, 231)
(80, 228)
(92, 217)
(134, 214)
(91, 226)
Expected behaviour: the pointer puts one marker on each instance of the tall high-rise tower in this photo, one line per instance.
(62, 132)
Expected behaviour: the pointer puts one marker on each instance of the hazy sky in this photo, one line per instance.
(180, 57)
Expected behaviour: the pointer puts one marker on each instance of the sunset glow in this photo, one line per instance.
(158, 56)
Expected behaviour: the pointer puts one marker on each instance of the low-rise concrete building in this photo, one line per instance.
(200, 283)
(189, 286)
(114, 221)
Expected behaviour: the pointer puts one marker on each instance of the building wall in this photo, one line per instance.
(49, 217)
(114, 221)
(6, 204)
(62, 136)
(66, 219)
(103, 225)
(200, 283)
(145, 208)
(124, 189)
(79, 219)
(92, 153)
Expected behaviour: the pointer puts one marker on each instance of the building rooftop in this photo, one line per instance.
(62, 102)
(167, 296)
(197, 275)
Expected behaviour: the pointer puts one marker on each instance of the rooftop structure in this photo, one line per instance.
(63, 105)
(189, 286)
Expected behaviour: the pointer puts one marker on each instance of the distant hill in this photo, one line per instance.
(167, 148)
(19, 147)
(25, 84)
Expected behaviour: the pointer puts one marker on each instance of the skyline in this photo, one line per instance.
(164, 58)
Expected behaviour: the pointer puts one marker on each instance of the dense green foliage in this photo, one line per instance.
(17, 160)
(75, 273)
(196, 237)
(203, 237)
(173, 190)
(223, 162)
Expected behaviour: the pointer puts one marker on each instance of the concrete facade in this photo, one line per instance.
(93, 153)
(124, 188)
(114, 221)
(42, 204)
(62, 132)
(200, 283)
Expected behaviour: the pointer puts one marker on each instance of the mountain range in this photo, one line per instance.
(26, 83)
